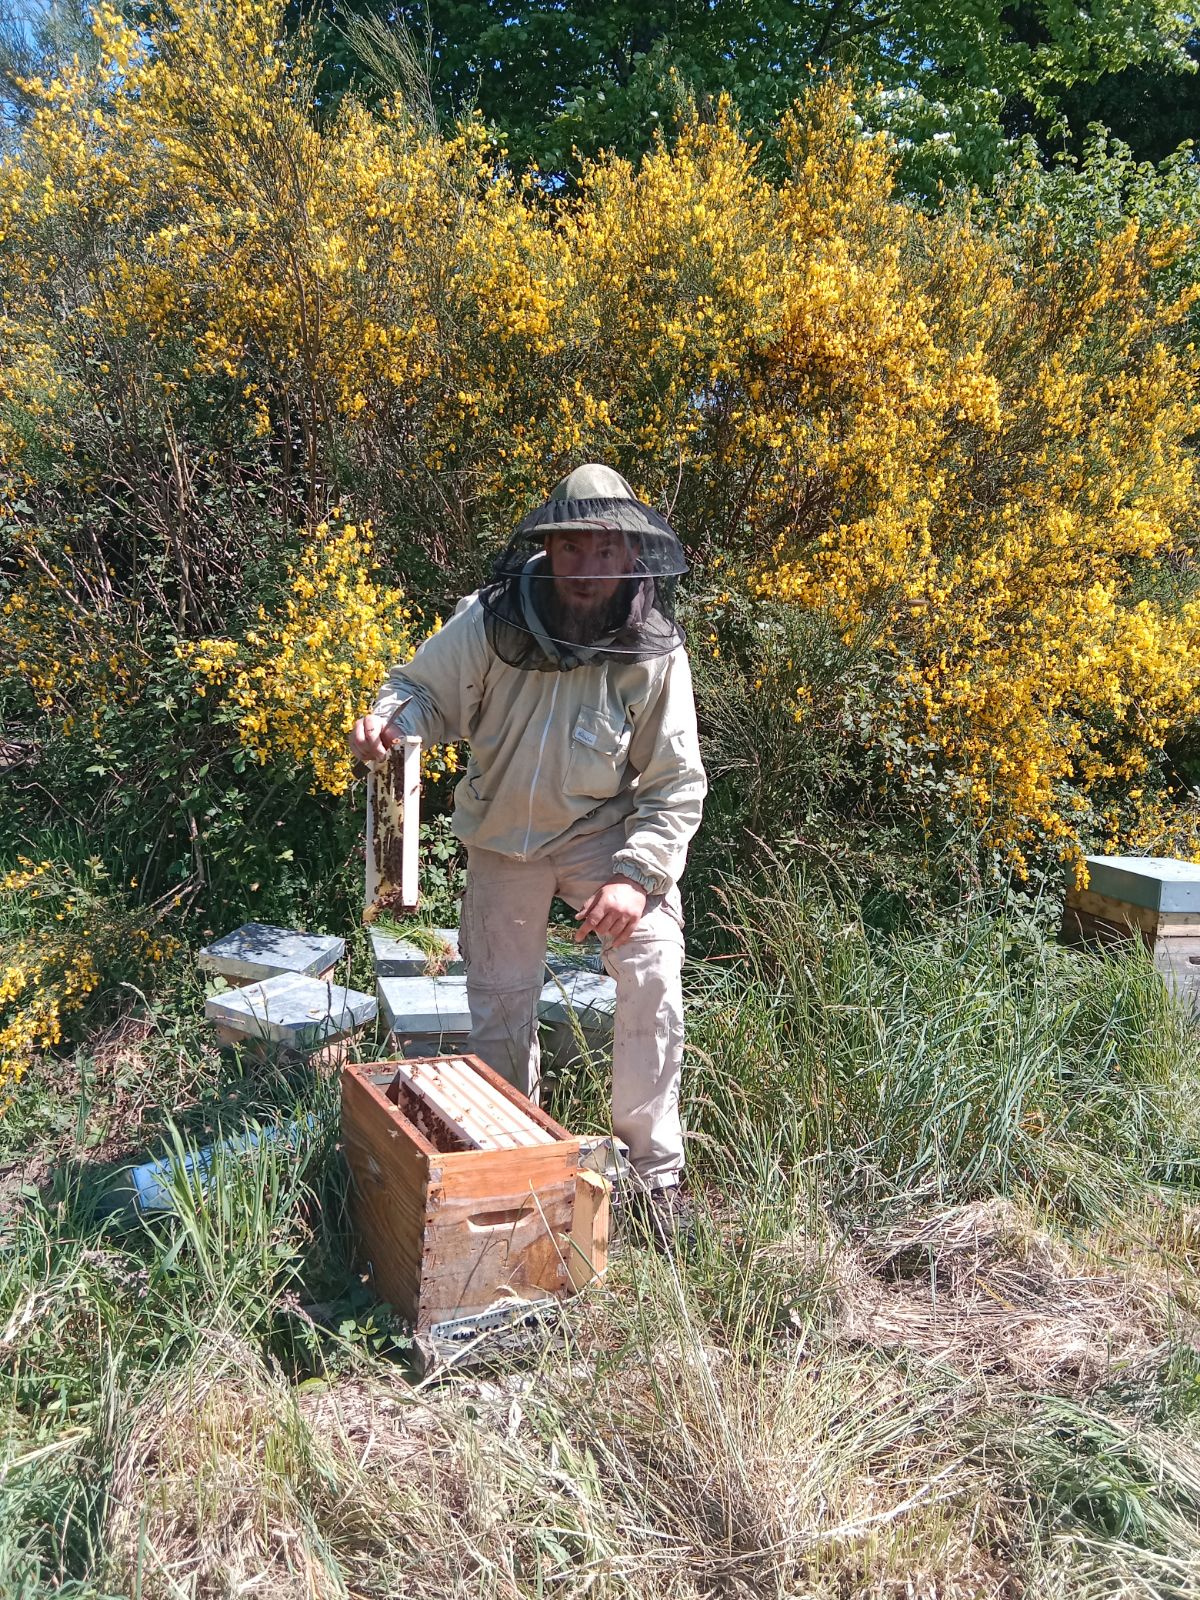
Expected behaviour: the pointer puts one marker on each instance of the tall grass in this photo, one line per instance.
(977, 1058)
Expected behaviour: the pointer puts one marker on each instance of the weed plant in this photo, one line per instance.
(976, 1058)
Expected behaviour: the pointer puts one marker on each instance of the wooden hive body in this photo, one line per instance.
(1156, 900)
(1095, 918)
(447, 1227)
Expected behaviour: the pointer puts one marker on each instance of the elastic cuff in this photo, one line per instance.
(635, 874)
(388, 705)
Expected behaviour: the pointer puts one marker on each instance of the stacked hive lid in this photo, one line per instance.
(422, 995)
(396, 957)
(257, 950)
(576, 994)
(279, 991)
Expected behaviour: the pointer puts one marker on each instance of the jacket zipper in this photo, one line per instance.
(537, 771)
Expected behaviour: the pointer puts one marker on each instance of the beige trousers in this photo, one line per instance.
(502, 936)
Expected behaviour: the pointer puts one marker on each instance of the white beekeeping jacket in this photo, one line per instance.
(555, 754)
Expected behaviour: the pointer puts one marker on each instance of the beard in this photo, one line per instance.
(583, 623)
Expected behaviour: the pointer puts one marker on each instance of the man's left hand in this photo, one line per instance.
(613, 912)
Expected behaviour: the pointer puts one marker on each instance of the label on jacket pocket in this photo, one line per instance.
(585, 736)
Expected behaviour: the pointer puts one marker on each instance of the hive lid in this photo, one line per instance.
(1157, 883)
(258, 950)
(591, 997)
(292, 1009)
(401, 958)
(425, 1005)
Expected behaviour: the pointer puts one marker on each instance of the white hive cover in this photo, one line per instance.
(1158, 883)
(425, 1005)
(400, 958)
(258, 950)
(292, 1009)
(590, 996)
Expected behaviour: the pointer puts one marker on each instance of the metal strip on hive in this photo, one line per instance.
(507, 1328)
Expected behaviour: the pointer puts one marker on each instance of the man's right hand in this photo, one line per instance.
(371, 738)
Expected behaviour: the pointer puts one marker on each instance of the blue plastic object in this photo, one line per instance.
(147, 1188)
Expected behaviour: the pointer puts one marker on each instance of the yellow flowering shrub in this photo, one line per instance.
(962, 435)
(76, 659)
(978, 450)
(297, 680)
(65, 935)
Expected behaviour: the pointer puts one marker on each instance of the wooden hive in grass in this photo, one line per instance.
(465, 1194)
(1152, 898)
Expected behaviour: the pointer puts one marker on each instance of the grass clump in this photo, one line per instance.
(217, 1485)
(639, 1467)
(973, 1059)
(1114, 1496)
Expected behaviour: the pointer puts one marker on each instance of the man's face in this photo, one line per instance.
(588, 566)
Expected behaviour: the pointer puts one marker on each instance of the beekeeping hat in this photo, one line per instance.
(605, 590)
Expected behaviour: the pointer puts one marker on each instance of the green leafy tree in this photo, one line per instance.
(956, 82)
(1151, 112)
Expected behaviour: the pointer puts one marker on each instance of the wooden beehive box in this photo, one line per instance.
(464, 1194)
(1152, 898)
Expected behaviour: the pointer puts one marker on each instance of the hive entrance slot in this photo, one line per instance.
(506, 1218)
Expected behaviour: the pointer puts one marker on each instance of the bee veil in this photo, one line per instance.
(590, 575)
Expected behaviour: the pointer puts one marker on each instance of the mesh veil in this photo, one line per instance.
(603, 592)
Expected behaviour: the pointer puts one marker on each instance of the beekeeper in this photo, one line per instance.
(568, 675)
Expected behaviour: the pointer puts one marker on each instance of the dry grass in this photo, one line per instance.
(647, 1463)
(1159, 1237)
(655, 1458)
(217, 1486)
(776, 1471)
(980, 1288)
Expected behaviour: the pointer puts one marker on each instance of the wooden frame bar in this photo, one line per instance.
(452, 1085)
(394, 784)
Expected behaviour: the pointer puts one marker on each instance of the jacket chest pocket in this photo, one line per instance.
(598, 754)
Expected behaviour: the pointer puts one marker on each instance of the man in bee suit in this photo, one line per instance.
(568, 675)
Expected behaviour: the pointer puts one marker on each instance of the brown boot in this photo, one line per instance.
(661, 1217)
